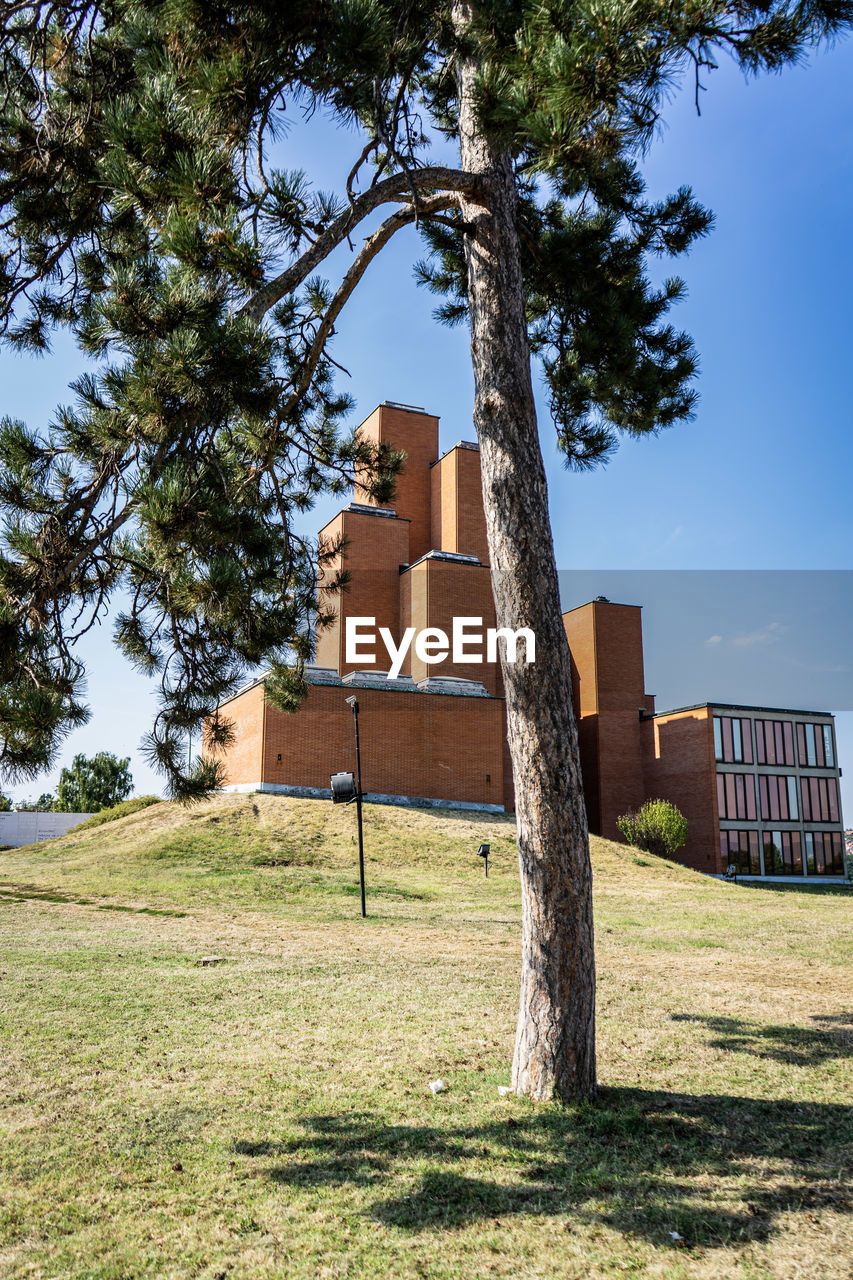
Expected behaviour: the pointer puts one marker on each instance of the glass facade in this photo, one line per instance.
(778, 795)
(736, 795)
(740, 849)
(733, 739)
(820, 799)
(815, 747)
(824, 853)
(783, 854)
(774, 742)
(781, 786)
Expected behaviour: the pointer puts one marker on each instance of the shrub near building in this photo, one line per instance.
(658, 827)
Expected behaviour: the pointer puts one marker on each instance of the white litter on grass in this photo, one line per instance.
(503, 1090)
(676, 1238)
(437, 1086)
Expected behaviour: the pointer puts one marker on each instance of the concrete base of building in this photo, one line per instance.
(819, 880)
(370, 797)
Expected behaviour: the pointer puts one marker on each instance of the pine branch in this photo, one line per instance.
(391, 189)
(372, 246)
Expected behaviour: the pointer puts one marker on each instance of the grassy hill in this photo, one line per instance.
(269, 1114)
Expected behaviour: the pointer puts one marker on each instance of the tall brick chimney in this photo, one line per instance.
(415, 433)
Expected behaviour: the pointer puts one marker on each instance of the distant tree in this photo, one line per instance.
(91, 785)
(658, 827)
(5, 804)
(45, 802)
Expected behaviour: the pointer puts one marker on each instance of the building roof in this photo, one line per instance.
(445, 685)
(601, 600)
(743, 706)
(460, 444)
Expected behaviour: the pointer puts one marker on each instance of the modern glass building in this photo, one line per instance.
(777, 792)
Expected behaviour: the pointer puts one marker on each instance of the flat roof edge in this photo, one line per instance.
(746, 706)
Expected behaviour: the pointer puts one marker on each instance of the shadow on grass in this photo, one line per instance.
(838, 889)
(12, 892)
(644, 1163)
(798, 1046)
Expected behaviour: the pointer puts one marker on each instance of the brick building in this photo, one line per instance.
(758, 786)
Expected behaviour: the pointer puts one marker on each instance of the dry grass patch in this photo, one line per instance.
(269, 1116)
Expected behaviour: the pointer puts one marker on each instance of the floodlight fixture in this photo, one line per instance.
(483, 852)
(345, 789)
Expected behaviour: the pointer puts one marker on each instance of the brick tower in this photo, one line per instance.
(436, 733)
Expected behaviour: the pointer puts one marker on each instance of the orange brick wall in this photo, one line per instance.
(416, 434)
(509, 781)
(442, 512)
(621, 694)
(580, 633)
(458, 520)
(441, 590)
(606, 643)
(588, 749)
(679, 753)
(620, 764)
(471, 518)
(243, 761)
(412, 744)
(376, 546)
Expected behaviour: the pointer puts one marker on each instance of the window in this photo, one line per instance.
(783, 853)
(814, 746)
(778, 795)
(740, 849)
(732, 740)
(736, 796)
(827, 853)
(808, 842)
(774, 742)
(820, 799)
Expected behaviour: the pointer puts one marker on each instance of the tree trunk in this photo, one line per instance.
(555, 1041)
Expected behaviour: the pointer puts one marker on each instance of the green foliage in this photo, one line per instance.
(5, 804)
(121, 810)
(44, 804)
(91, 785)
(140, 214)
(658, 827)
(713, 1102)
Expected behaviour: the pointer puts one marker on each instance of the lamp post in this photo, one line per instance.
(353, 702)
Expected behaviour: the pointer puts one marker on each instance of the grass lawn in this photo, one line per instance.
(270, 1116)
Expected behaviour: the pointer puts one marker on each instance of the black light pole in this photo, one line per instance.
(353, 702)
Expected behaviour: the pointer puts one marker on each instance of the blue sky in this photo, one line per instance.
(760, 479)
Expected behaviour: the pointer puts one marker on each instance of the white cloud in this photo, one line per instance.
(714, 640)
(767, 635)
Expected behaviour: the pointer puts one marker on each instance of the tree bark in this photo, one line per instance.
(555, 1040)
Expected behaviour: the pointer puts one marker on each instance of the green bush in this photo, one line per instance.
(118, 811)
(659, 827)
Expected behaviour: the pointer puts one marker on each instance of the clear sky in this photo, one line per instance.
(758, 482)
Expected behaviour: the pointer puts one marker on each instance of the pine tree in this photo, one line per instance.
(141, 210)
